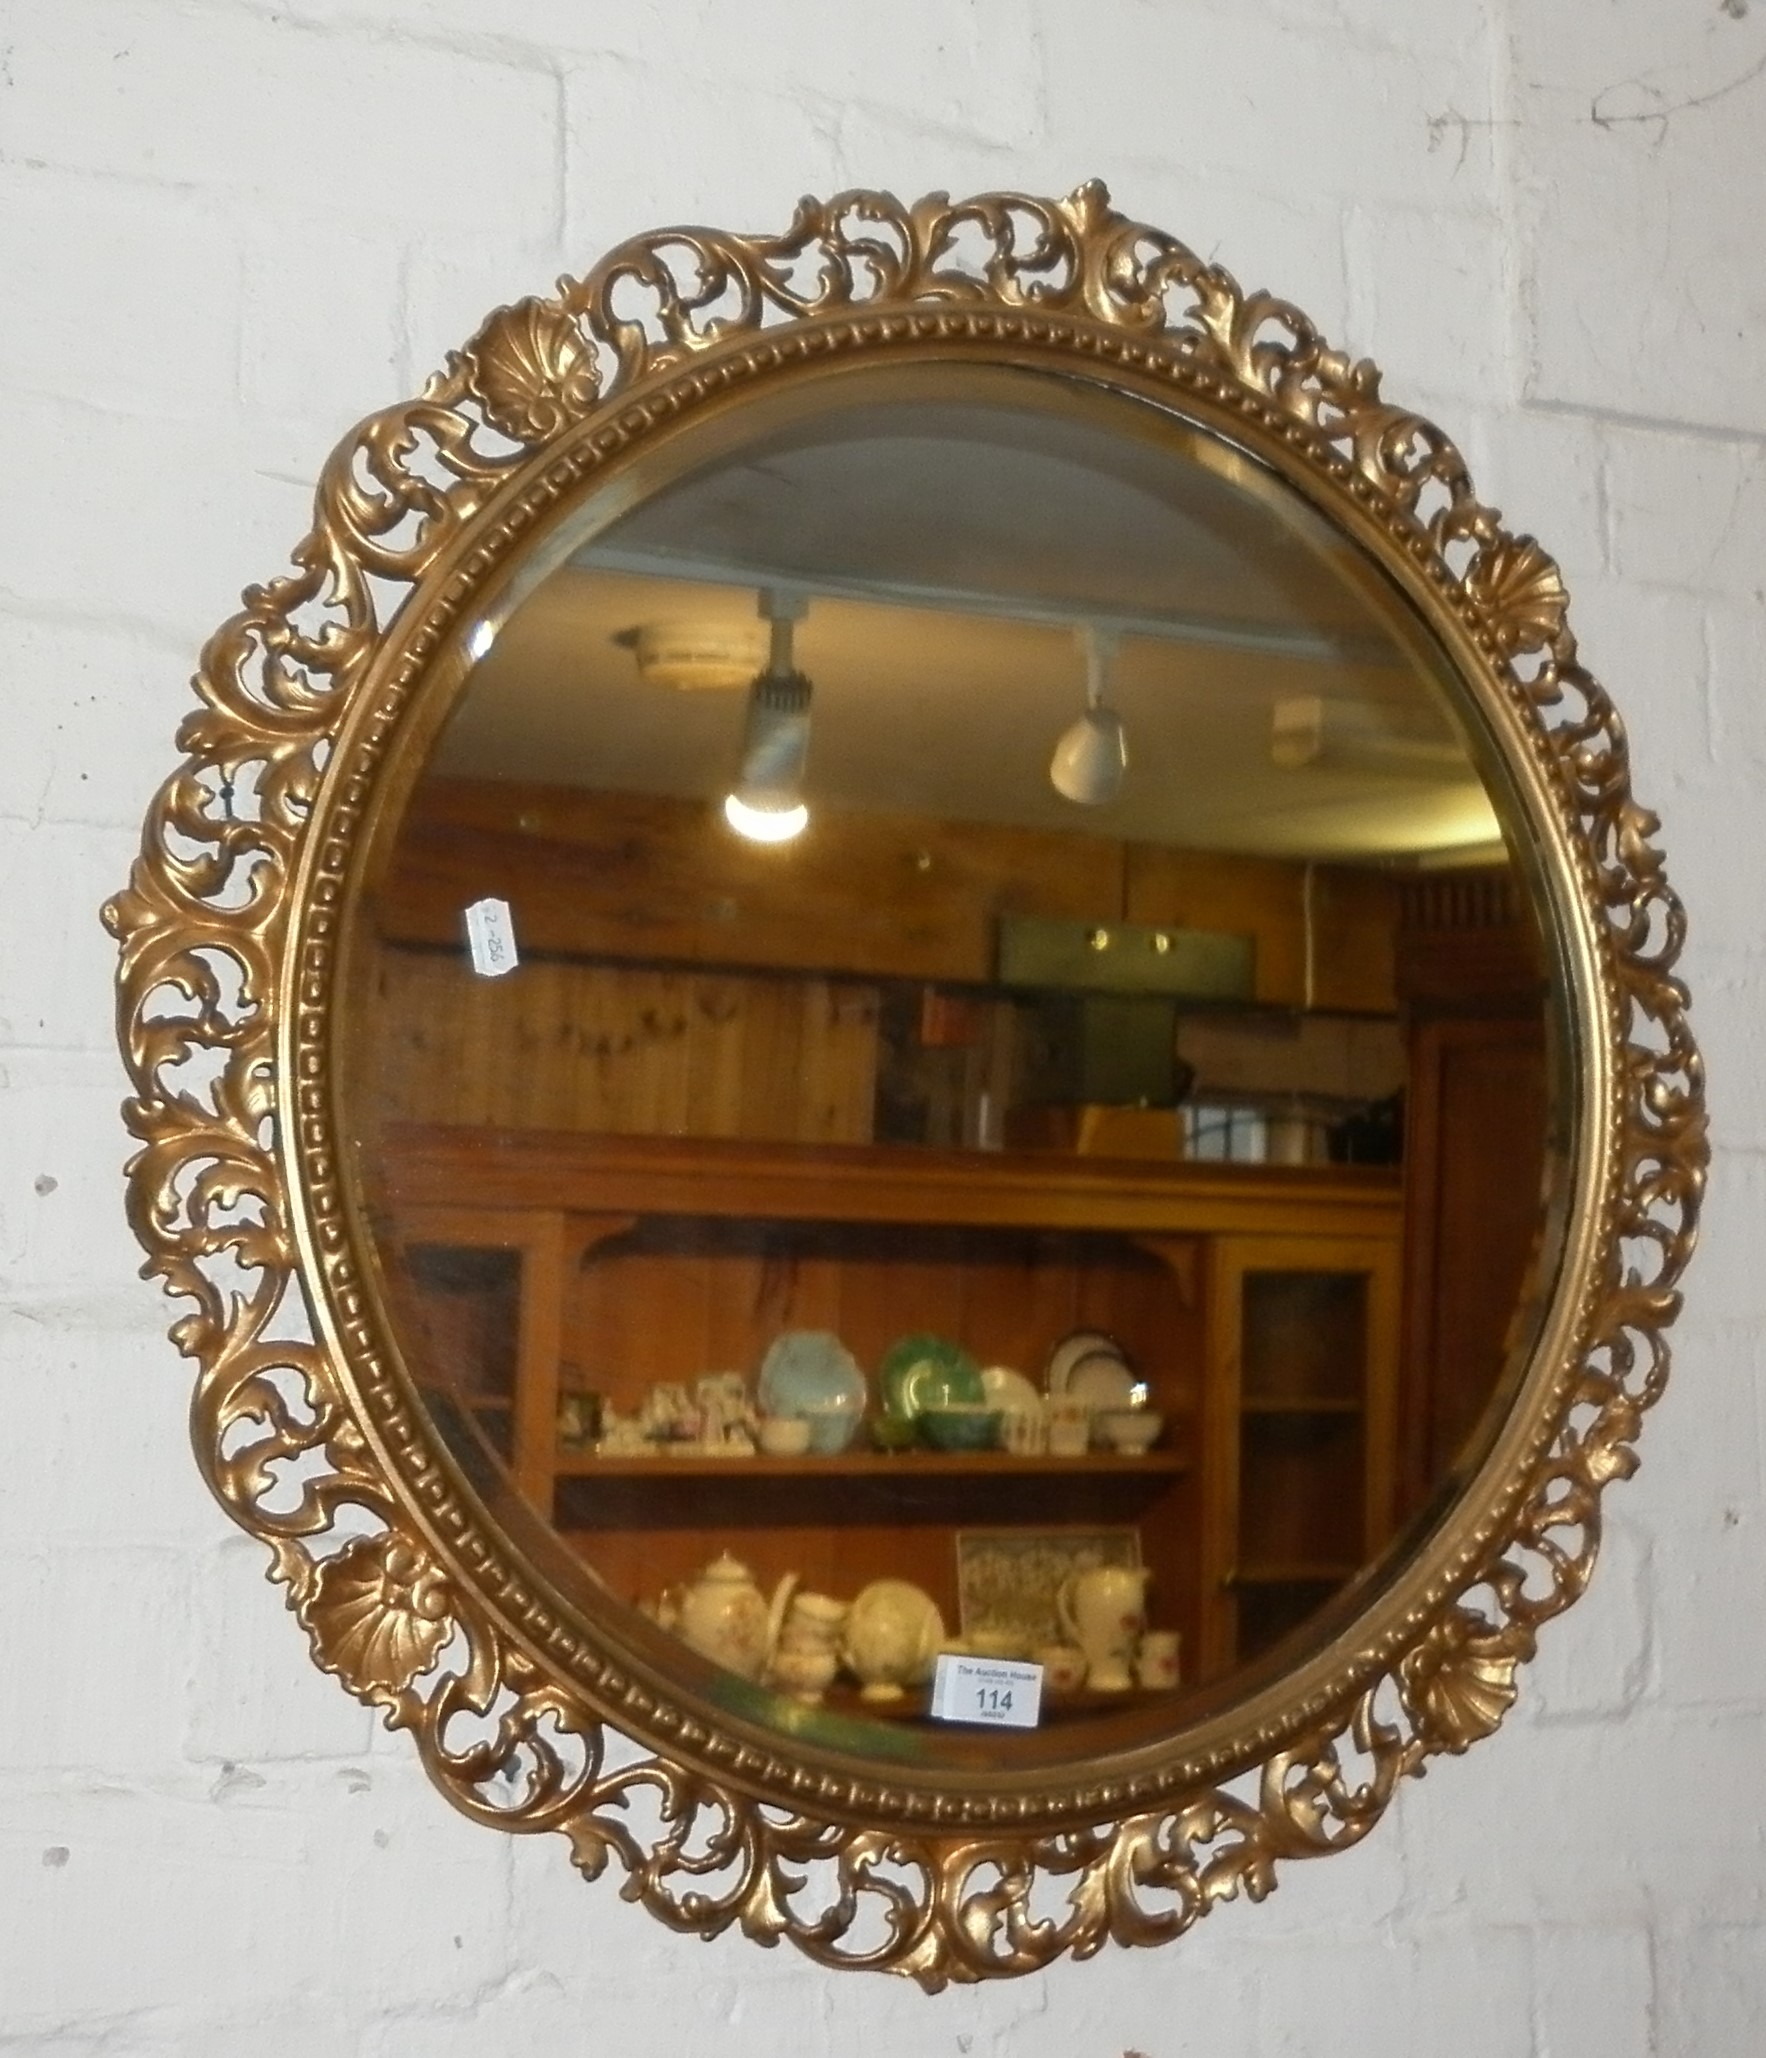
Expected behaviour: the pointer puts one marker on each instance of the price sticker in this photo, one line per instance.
(994, 1692)
(490, 937)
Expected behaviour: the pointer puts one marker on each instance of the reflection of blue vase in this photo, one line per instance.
(810, 1372)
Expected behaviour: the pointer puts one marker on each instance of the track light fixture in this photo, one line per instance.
(1092, 755)
(766, 803)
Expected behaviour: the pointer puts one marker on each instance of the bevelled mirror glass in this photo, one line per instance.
(974, 1033)
(981, 1192)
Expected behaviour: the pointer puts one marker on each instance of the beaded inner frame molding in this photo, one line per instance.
(529, 1714)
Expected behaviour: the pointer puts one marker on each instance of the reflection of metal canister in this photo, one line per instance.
(1288, 1138)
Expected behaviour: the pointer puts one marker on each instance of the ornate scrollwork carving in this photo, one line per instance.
(236, 1154)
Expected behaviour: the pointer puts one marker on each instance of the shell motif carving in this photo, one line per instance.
(530, 370)
(1460, 1681)
(233, 1192)
(378, 1614)
(1520, 592)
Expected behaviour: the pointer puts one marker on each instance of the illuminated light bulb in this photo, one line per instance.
(766, 803)
(765, 824)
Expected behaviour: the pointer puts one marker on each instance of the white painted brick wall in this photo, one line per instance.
(227, 227)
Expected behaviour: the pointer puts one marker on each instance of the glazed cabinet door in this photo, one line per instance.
(1299, 1429)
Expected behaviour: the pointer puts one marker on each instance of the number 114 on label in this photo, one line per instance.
(991, 1691)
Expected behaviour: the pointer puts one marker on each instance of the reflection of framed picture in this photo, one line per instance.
(1007, 1579)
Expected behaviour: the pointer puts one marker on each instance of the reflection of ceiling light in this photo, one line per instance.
(692, 656)
(1309, 732)
(765, 825)
(1092, 755)
(767, 802)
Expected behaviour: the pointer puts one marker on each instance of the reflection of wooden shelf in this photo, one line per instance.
(431, 1166)
(1253, 1406)
(903, 1466)
(1304, 1572)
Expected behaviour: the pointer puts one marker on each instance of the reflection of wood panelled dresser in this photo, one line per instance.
(1471, 988)
(1259, 1303)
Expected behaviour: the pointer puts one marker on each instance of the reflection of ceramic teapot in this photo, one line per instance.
(893, 1631)
(1104, 1611)
(724, 1616)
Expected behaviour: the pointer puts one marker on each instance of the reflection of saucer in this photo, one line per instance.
(1082, 1343)
(1010, 1391)
(1103, 1380)
(921, 1372)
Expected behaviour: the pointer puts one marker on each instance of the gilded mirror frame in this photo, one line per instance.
(314, 700)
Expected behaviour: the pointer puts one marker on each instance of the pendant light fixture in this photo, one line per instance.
(766, 803)
(1092, 755)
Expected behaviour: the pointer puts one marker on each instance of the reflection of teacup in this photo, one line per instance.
(804, 1671)
(784, 1436)
(1157, 1663)
(1022, 1431)
(1063, 1667)
(1069, 1429)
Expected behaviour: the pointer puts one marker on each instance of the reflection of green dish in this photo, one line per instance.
(962, 1429)
(921, 1372)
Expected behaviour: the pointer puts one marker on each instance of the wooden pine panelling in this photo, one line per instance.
(618, 1050)
(1353, 913)
(871, 895)
(627, 875)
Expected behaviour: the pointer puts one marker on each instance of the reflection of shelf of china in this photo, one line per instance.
(875, 1465)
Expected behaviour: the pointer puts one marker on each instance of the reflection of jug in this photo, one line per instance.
(807, 1654)
(1104, 1611)
(724, 1616)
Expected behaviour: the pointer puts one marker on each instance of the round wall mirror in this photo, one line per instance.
(929, 966)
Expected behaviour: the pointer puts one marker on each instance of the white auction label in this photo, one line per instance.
(994, 1691)
(490, 937)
